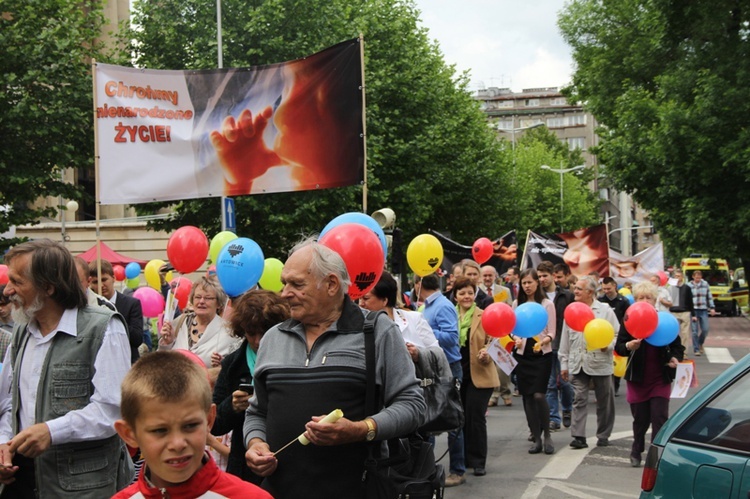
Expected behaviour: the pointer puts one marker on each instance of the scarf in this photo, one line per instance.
(464, 324)
(251, 356)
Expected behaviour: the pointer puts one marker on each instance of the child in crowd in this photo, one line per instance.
(167, 413)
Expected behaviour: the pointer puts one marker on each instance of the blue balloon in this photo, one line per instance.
(630, 298)
(132, 270)
(239, 266)
(361, 219)
(666, 331)
(531, 319)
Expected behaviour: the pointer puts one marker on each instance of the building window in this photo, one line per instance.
(577, 119)
(555, 122)
(505, 103)
(504, 124)
(532, 102)
(557, 101)
(576, 143)
(604, 194)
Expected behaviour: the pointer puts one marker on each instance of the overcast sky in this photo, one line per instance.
(503, 43)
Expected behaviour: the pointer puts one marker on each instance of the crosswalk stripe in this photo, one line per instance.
(719, 355)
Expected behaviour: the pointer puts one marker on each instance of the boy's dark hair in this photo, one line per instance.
(106, 268)
(431, 282)
(163, 376)
(562, 267)
(546, 267)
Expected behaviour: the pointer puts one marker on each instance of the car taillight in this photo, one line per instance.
(651, 467)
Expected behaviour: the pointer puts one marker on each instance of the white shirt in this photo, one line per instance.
(93, 422)
(414, 328)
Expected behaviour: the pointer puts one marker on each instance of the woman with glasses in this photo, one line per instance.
(202, 330)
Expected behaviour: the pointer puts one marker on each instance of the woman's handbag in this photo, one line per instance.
(441, 393)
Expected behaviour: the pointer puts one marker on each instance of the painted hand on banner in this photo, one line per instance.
(241, 150)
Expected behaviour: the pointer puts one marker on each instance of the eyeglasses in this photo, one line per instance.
(196, 299)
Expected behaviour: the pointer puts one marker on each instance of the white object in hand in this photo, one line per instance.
(332, 417)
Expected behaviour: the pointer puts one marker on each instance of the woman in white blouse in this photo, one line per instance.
(202, 330)
(416, 331)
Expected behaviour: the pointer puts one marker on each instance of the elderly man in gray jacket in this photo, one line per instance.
(582, 367)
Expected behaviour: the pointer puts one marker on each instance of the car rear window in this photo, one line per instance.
(724, 421)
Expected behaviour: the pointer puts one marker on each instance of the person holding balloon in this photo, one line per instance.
(586, 356)
(480, 374)
(653, 358)
(534, 356)
(202, 331)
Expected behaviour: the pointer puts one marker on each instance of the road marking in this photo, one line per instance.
(565, 461)
(719, 355)
(536, 487)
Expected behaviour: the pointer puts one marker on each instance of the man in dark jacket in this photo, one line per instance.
(558, 390)
(130, 308)
(620, 305)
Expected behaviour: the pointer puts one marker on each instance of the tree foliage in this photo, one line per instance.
(45, 101)
(669, 82)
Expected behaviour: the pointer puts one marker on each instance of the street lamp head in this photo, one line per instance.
(546, 167)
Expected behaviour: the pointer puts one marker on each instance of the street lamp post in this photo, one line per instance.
(562, 171)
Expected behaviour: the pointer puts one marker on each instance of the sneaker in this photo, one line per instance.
(579, 443)
(516, 393)
(635, 462)
(566, 419)
(480, 471)
(453, 480)
(702, 351)
(697, 353)
(602, 442)
(554, 426)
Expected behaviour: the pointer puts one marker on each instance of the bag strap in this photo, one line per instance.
(369, 329)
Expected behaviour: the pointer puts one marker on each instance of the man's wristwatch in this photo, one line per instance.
(370, 429)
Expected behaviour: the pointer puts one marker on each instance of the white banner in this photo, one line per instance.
(636, 268)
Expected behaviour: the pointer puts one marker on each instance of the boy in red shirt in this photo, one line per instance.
(167, 413)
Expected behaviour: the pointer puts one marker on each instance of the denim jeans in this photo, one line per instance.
(456, 438)
(554, 393)
(702, 322)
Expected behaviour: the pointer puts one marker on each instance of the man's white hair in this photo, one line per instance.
(324, 262)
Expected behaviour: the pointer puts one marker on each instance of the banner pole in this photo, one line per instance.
(96, 179)
(364, 121)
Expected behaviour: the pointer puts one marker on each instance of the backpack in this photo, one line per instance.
(410, 469)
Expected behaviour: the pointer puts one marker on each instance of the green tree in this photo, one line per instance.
(45, 101)
(670, 84)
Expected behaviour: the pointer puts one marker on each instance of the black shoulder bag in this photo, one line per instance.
(410, 470)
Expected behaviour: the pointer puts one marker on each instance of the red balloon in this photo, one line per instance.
(362, 253)
(498, 320)
(481, 250)
(3, 274)
(187, 249)
(663, 278)
(181, 287)
(119, 271)
(641, 319)
(577, 315)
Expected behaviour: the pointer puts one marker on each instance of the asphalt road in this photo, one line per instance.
(596, 472)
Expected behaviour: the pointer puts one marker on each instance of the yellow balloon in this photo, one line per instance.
(152, 274)
(624, 292)
(424, 254)
(598, 333)
(621, 364)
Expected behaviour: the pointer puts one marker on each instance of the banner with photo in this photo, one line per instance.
(636, 268)
(584, 250)
(170, 135)
(505, 251)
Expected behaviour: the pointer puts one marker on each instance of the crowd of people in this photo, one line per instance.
(230, 398)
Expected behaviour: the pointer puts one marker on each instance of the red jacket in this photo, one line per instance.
(207, 480)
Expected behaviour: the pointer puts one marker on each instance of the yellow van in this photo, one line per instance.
(728, 296)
